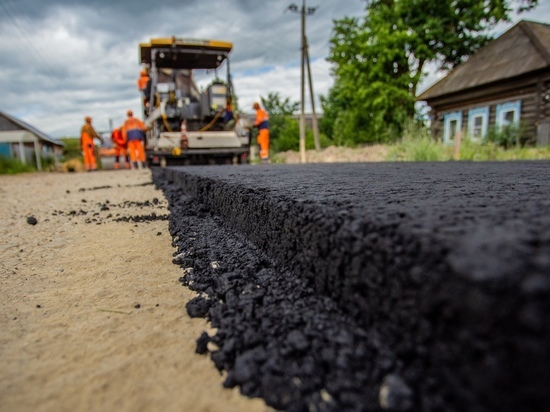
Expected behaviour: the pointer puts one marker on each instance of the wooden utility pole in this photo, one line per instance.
(312, 96)
(305, 60)
(302, 114)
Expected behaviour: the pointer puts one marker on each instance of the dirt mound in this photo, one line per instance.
(334, 154)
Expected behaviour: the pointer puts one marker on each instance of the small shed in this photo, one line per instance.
(506, 82)
(20, 140)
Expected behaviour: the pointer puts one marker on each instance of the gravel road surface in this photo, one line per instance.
(92, 315)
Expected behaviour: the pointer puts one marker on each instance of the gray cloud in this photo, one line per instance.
(64, 59)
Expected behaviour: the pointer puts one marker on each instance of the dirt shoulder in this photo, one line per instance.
(92, 315)
(334, 154)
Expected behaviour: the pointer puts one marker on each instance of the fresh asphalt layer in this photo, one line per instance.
(392, 286)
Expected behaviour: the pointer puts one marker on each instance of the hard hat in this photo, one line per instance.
(129, 113)
(88, 119)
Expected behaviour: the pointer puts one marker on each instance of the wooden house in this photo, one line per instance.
(506, 82)
(20, 140)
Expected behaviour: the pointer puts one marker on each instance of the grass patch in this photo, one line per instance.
(418, 146)
(10, 166)
(418, 150)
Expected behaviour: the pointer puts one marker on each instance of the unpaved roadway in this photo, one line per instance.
(92, 316)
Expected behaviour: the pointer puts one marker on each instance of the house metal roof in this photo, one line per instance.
(523, 48)
(25, 126)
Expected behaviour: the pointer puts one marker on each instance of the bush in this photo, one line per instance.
(288, 138)
(507, 136)
(351, 130)
(72, 148)
(9, 166)
(49, 162)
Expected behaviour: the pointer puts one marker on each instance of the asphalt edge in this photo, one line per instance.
(436, 319)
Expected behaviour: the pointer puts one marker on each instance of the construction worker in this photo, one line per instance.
(133, 132)
(144, 86)
(262, 124)
(87, 135)
(121, 148)
(142, 81)
(228, 115)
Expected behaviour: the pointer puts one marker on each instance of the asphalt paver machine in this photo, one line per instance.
(188, 125)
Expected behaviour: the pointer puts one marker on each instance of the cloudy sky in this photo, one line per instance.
(61, 60)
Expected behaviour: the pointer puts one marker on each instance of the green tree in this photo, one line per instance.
(379, 60)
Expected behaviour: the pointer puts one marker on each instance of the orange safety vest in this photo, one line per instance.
(87, 135)
(118, 138)
(142, 82)
(261, 119)
(133, 129)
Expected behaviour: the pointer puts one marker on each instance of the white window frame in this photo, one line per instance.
(507, 107)
(448, 118)
(482, 112)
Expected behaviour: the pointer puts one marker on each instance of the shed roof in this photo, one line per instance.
(523, 48)
(25, 126)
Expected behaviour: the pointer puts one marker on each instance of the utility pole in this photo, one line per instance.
(302, 114)
(305, 55)
(312, 96)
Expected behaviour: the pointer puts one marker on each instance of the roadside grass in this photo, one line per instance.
(10, 166)
(425, 149)
(418, 146)
(494, 152)
(422, 149)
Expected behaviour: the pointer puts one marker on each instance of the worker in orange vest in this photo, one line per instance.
(262, 124)
(142, 80)
(144, 86)
(133, 132)
(87, 135)
(121, 148)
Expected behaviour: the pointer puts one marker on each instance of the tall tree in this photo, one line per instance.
(378, 61)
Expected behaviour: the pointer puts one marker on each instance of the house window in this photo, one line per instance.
(452, 125)
(478, 121)
(508, 113)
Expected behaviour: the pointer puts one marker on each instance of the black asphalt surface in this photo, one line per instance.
(379, 286)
